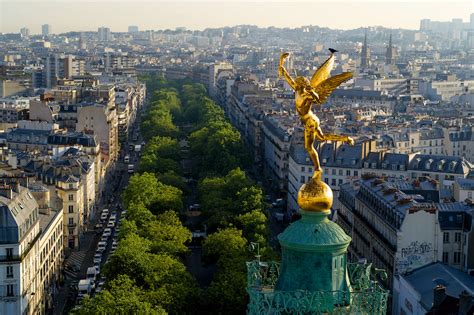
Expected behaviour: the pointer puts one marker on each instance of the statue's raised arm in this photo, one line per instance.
(283, 72)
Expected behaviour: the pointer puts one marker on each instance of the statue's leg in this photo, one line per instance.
(331, 137)
(309, 137)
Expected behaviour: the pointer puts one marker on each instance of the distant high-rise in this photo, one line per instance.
(133, 29)
(472, 21)
(364, 58)
(45, 29)
(25, 32)
(390, 56)
(425, 25)
(104, 34)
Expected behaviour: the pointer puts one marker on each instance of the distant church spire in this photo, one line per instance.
(389, 58)
(364, 59)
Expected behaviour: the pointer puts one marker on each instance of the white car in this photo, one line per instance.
(98, 258)
(103, 217)
(107, 232)
(101, 246)
(111, 224)
(114, 245)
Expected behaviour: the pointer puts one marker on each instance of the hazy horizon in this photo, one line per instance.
(86, 15)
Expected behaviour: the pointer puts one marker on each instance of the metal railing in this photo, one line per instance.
(366, 296)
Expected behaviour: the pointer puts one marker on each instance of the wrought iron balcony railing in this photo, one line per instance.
(366, 296)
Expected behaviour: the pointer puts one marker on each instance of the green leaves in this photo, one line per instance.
(121, 296)
(145, 189)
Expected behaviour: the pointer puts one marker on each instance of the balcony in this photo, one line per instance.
(365, 297)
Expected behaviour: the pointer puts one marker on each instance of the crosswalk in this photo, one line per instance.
(73, 264)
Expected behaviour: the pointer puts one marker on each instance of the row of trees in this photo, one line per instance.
(231, 203)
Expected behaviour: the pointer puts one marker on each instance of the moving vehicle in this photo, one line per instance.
(98, 258)
(101, 246)
(84, 287)
(138, 147)
(107, 232)
(126, 159)
(91, 273)
(130, 168)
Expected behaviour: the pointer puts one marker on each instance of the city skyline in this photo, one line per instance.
(198, 15)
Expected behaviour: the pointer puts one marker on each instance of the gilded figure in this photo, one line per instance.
(316, 92)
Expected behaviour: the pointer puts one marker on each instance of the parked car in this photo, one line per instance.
(101, 246)
(97, 268)
(103, 217)
(114, 245)
(278, 203)
(91, 273)
(104, 238)
(110, 225)
(107, 231)
(98, 258)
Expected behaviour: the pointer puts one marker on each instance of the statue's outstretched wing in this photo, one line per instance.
(323, 72)
(325, 88)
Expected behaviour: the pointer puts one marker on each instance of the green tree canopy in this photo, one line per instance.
(121, 296)
(171, 286)
(152, 194)
(226, 242)
(167, 234)
(130, 258)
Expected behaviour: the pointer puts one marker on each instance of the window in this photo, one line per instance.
(340, 172)
(348, 172)
(457, 258)
(9, 271)
(71, 231)
(340, 182)
(356, 173)
(302, 180)
(71, 209)
(326, 180)
(333, 182)
(9, 289)
(457, 237)
(445, 257)
(71, 221)
(333, 171)
(71, 197)
(302, 168)
(9, 252)
(446, 237)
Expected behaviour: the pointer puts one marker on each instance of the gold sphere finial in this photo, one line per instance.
(315, 196)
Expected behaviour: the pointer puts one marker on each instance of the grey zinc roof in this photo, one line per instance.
(466, 183)
(465, 135)
(348, 156)
(299, 154)
(394, 199)
(441, 164)
(436, 133)
(424, 279)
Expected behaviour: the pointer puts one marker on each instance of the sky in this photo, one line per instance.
(88, 15)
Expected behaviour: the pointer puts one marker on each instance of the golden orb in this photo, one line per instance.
(315, 196)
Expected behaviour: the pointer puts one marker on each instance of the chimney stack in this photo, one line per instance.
(439, 294)
(466, 302)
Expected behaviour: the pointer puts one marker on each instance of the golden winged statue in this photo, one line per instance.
(317, 92)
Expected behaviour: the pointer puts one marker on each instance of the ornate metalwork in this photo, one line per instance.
(365, 296)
